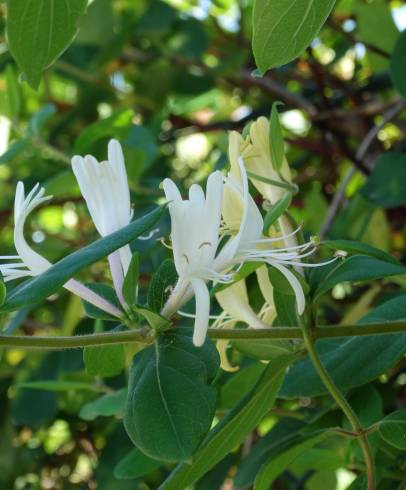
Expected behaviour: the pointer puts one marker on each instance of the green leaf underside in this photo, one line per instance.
(351, 362)
(170, 403)
(282, 29)
(39, 288)
(393, 429)
(233, 428)
(38, 31)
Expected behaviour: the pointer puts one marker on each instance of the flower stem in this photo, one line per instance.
(343, 404)
(143, 335)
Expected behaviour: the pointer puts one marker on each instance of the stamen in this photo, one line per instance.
(186, 258)
(165, 244)
(149, 235)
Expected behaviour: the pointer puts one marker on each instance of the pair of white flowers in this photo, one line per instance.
(227, 213)
(212, 234)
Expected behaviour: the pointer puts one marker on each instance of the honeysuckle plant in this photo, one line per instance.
(219, 317)
(220, 239)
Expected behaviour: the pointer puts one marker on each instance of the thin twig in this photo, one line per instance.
(360, 155)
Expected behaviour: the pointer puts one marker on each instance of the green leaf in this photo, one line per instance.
(39, 119)
(155, 320)
(239, 385)
(38, 31)
(393, 429)
(135, 465)
(353, 248)
(285, 433)
(276, 144)
(282, 29)
(130, 285)
(159, 289)
(58, 385)
(106, 292)
(170, 403)
(357, 268)
(398, 63)
(3, 292)
(13, 150)
(116, 125)
(372, 17)
(277, 465)
(13, 92)
(387, 182)
(39, 288)
(105, 361)
(354, 361)
(105, 406)
(233, 428)
(264, 350)
(276, 211)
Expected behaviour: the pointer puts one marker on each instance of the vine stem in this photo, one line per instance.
(343, 404)
(146, 335)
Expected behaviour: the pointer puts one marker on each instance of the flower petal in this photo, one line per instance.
(202, 298)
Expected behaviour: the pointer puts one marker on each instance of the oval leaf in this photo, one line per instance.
(393, 429)
(233, 428)
(282, 29)
(354, 361)
(38, 31)
(170, 403)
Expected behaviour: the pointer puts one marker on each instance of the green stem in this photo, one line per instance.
(145, 335)
(343, 404)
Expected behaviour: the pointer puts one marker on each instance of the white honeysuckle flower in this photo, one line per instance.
(196, 233)
(30, 263)
(195, 239)
(195, 236)
(104, 185)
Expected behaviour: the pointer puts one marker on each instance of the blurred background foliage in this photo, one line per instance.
(169, 79)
